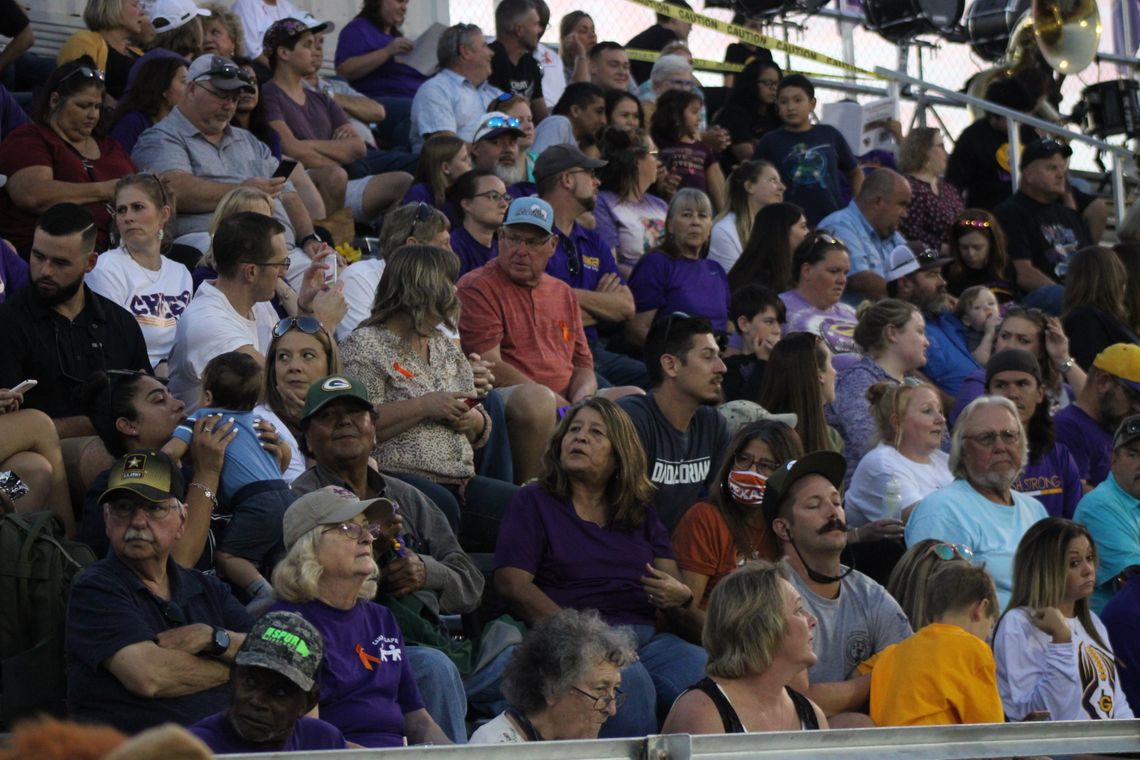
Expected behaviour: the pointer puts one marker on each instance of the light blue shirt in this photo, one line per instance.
(449, 102)
(957, 514)
(1112, 516)
(869, 252)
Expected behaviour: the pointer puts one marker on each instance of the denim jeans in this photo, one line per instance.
(475, 520)
(380, 161)
(618, 369)
(667, 666)
(446, 694)
(493, 460)
(397, 125)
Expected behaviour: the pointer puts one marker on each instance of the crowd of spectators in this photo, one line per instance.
(535, 396)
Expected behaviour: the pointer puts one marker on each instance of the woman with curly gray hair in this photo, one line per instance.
(328, 577)
(563, 682)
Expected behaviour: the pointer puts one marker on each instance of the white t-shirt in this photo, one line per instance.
(553, 74)
(864, 498)
(498, 730)
(724, 243)
(156, 299)
(211, 326)
(257, 16)
(297, 464)
(360, 280)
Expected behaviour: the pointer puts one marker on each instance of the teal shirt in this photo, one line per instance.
(1112, 516)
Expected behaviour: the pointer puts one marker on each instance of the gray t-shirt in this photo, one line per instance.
(863, 620)
(680, 461)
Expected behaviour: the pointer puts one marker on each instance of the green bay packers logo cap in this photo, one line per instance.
(147, 473)
(285, 643)
(332, 388)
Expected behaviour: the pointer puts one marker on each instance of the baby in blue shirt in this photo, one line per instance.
(251, 488)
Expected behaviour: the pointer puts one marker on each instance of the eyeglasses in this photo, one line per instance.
(748, 462)
(282, 266)
(355, 531)
(125, 510)
(310, 325)
(529, 243)
(928, 256)
(603, 702)
(591, 172)
(681, 84)
(84, 71)
(493, 195)
(769, 83)
(573, 261)
(950, 551)
(987, 440)
(226, 97)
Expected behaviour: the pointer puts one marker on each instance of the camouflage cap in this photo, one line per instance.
(285, 643)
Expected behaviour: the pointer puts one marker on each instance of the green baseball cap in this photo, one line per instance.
(146, 473)
(333, 388)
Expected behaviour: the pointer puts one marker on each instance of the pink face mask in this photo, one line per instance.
(747, 487)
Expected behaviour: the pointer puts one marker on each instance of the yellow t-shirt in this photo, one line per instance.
(942, 675)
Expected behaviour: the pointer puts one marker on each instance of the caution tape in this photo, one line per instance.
(701, 64)
(751, 36)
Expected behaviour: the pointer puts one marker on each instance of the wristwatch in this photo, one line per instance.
(1066, 365)
(220, 642)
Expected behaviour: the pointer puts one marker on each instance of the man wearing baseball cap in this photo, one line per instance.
(1041, 232)
(148, 641)
(856, 616)
(501, 302)
(914, 275)
(274, 684)
(1111, 393)
(495, 148)
(1111, 512)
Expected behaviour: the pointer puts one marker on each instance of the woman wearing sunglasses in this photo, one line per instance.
(58, 158)
(329, 577)
(137, 274)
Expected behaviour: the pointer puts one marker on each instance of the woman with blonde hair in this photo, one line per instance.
(329, 577)
(758, 636)
(908, 581)
(222, 32)
(112, 28)
(751, 186)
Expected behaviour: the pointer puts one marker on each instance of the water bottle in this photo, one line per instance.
(892, 498)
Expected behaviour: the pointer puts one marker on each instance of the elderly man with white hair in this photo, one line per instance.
(980, 510)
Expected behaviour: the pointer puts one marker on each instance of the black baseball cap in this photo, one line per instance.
(829, 464)
(1035, 151)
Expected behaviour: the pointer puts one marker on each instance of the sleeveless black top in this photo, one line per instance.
(731, 720)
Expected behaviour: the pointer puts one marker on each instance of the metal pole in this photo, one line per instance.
(920, 114)
(1014, 153)
(1118, 197)
(1126, 20)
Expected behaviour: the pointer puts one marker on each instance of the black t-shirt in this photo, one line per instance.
(743, 378)
(13, 20)
(1003, 287)
(1047, 234)
(118, 69)
(739, 52)
(654, 38)
(523, 78)
(979, 165)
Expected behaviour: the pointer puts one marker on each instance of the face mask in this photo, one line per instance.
(747, 487)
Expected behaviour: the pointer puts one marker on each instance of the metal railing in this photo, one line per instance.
(1118, 154)
(917, 743)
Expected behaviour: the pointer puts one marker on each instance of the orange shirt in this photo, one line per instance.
(538, 330)
(703, 544)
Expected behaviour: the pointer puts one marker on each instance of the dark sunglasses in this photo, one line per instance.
(573, 260)
(84, 71)
(225, 71)
(310, 325)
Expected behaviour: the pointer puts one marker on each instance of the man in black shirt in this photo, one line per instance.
(1041, 232)
(513, 67)
(656, 37)
(57, 331)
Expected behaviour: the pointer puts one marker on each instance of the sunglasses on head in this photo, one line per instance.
(309, 325)
(950, 551)
(84, 71)
(927, 256)
(225, 71)
(497, 122)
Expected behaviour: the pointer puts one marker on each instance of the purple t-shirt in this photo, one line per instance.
(577, 563)
(1088, 442)
(472, 254)
(128, 128)
(835, 325)
(309, 734)
(316, 120)
(1053, 480)
(393, 79)
(419, 193)
(13, 271)
(367, 684)
(698, 287)
(689, 160)
(594, 260)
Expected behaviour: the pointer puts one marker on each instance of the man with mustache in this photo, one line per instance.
(980, 509)
(148, 641)
(1110, 512)
(857, 617)
(57, 330)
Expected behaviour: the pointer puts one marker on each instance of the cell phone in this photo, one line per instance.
(330, 273)
(285, 168)
(472, 402)
(25, 386)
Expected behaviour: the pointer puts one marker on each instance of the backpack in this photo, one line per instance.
(37, 567)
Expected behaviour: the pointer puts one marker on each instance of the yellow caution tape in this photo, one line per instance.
(749, 35)
(701, 64)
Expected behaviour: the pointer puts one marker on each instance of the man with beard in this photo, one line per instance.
(1041, 232)
(496, 149)
(856, 616)
(513, 66)
(1109, 512)
(565, 179)
(914, 275)
(578, 120)
(148, 641)
(1111, 393)
(274, 683)
(58, 331)
(980, 509)
(677, 422)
